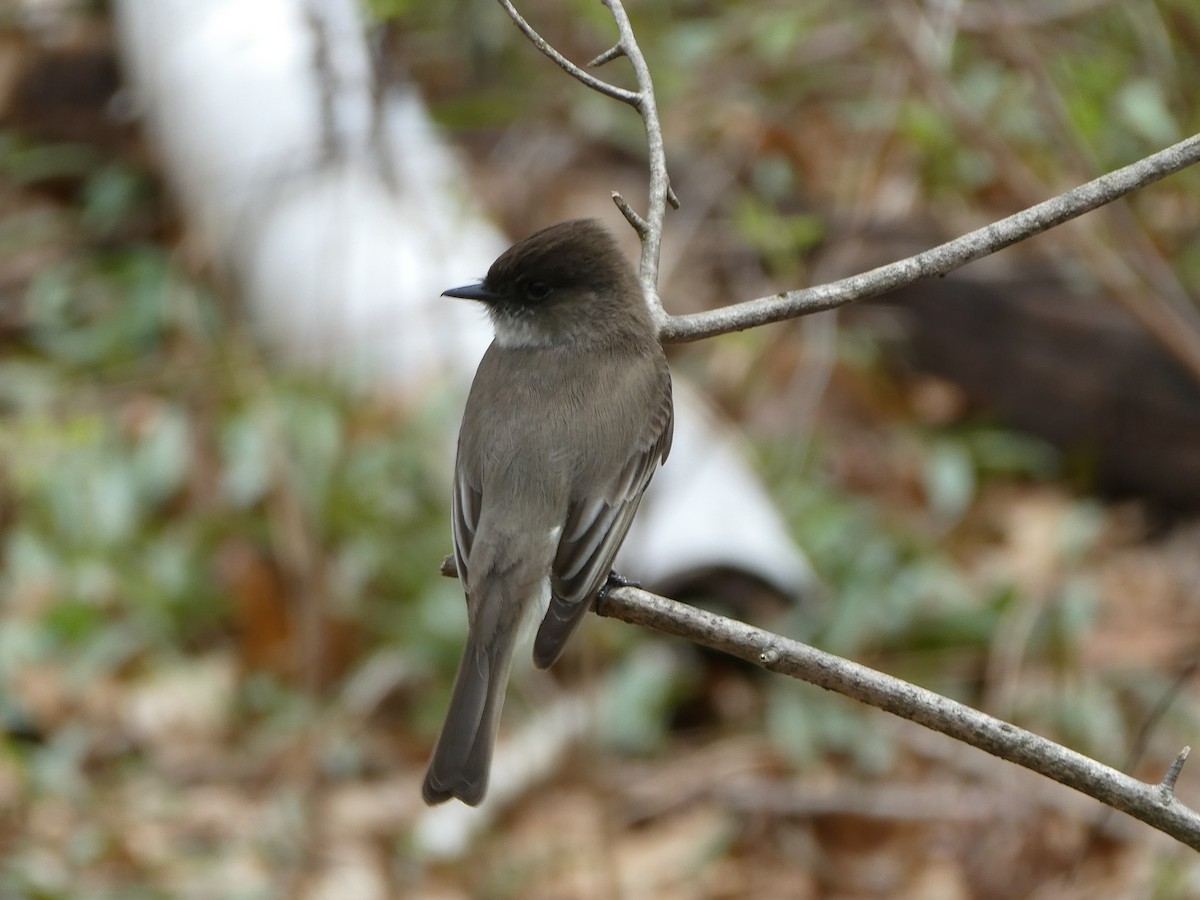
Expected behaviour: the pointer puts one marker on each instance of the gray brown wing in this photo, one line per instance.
(592, 535)
(464, 510)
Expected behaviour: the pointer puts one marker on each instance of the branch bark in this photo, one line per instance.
(1154, 804)
(941, 259)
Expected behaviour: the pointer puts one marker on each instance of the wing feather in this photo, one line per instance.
(595, 528)
(465, 505)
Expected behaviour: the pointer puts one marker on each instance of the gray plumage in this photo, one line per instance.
(568, 417)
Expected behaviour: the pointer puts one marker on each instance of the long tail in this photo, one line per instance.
(462, 757)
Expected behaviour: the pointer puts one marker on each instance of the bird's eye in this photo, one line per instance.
(537, 290)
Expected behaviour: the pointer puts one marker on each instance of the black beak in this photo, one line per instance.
(473, 292)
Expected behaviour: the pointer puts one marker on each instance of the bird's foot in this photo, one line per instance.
(615, 580)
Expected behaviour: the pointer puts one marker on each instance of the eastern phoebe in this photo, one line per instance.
(568, 417)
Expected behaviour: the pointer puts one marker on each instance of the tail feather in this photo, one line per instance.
(462, 756)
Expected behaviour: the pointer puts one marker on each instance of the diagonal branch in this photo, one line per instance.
(938, 260)
(1154, 804)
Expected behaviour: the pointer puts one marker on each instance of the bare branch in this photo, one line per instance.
(938, 260)
(649, 229)
(596, 84)
(660, 184)
(1156, 805)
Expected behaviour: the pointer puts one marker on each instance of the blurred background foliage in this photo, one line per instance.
(212, 563)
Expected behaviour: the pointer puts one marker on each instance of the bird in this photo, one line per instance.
(568, 417)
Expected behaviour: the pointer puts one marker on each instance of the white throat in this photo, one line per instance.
(514, 333)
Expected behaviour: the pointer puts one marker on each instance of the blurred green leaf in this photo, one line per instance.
(25, 162)
(949, 479)
(807, 724)
(162, 458)
(110, 195)
(381, 10)
(312, 428)
(246, 456)
(107, 310)
(71, 621)
(1141, 107)
(638, 696)
(783, 240)
(998, 451)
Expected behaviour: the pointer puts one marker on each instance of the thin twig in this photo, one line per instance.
(1167, 785)
(614, 52)
(596, 84)
(639, 224)
(938, 260)
(660, 193)
(1153, 804)
(1137, 749)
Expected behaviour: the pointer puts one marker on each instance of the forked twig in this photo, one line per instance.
(650, 228)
